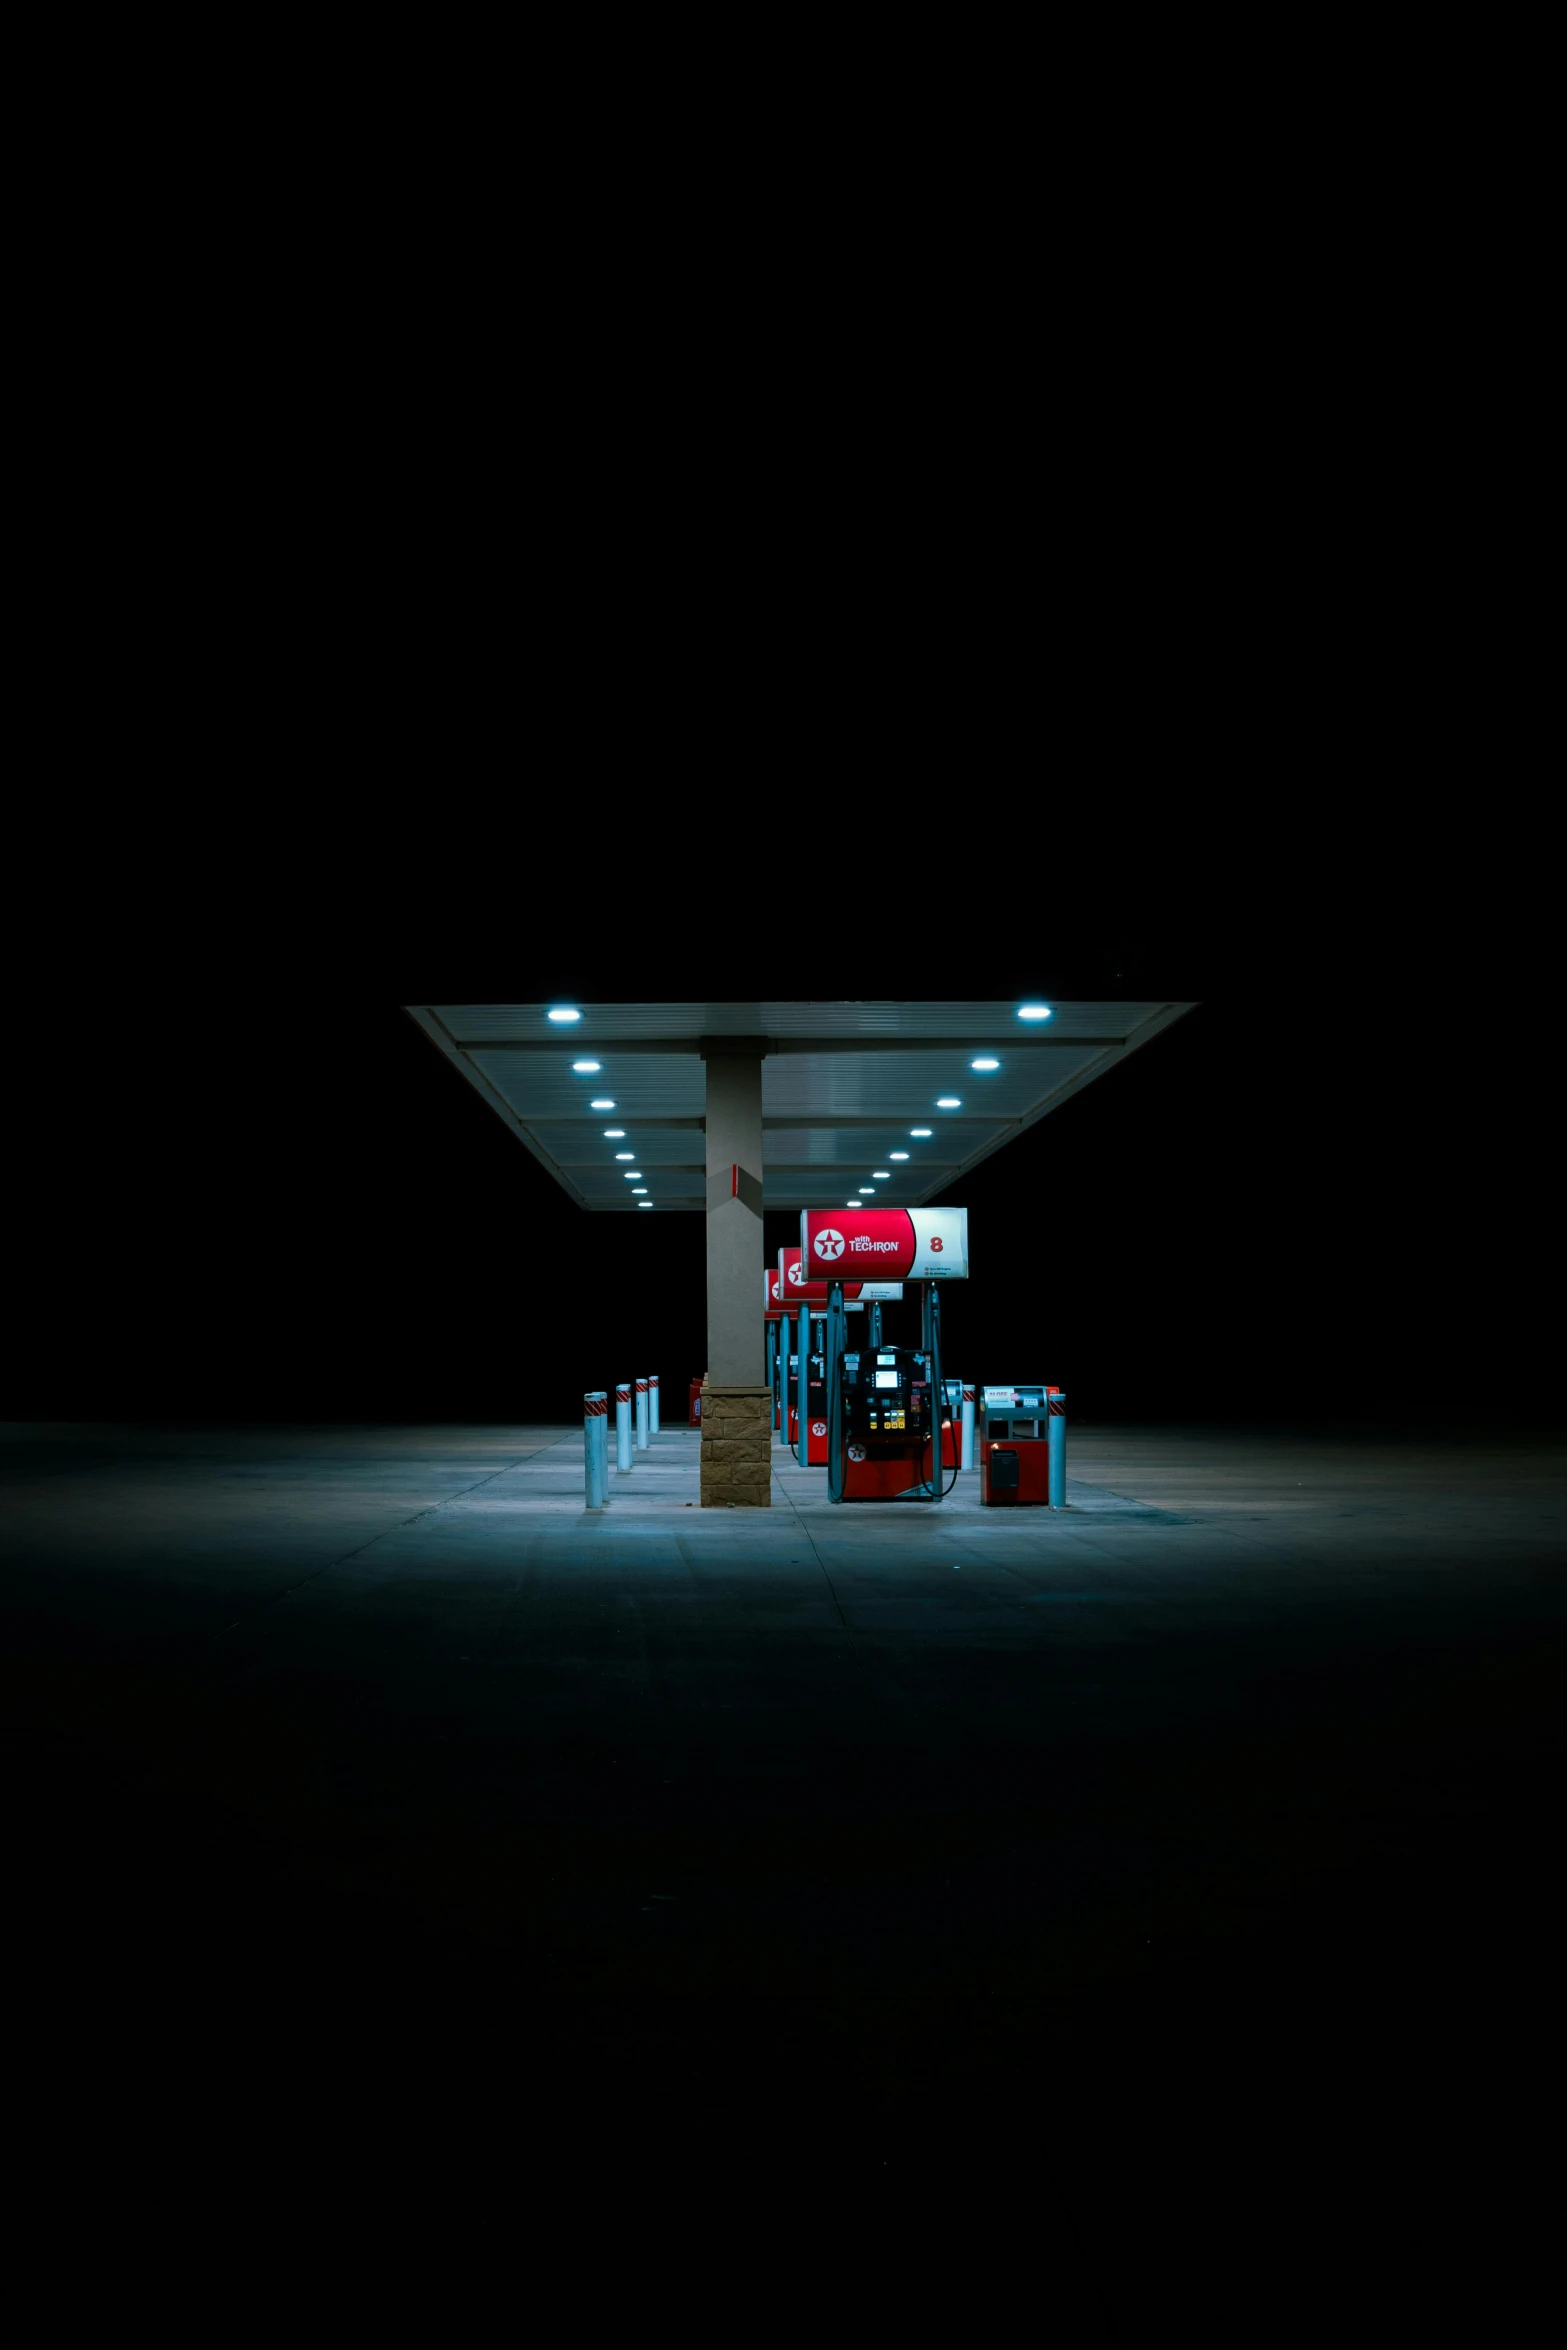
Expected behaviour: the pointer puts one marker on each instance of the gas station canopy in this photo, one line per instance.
(898, 1098)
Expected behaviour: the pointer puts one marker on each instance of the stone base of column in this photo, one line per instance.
(737, 1447)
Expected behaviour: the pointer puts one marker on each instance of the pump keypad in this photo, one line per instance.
(887, 1396)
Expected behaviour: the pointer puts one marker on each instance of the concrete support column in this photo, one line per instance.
(736, 1407)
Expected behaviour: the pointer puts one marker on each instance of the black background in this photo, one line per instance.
(1164, 631)
(244, 1185)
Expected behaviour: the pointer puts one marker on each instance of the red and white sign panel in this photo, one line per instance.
(794, 1289)
(788, 1291)
(902, 1244)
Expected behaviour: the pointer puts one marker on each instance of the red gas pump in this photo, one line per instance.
(887, 1405)
(816, 1408)
(886, 1433)
(816, 1424)
(695, 1407)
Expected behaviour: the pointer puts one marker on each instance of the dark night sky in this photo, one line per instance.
(1211, 690)
(245, 1185)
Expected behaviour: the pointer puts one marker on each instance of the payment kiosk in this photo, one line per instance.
(1022, 1447)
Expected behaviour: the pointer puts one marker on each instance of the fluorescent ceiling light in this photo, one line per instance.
(897, 1154)
(984, 1064)
(867, 1188)
(882, 1174)
(613, 1133)
(949, 1101)
(921, 1134)
(646, 1203)
(625, 1154)
(1033, 1011)
(562, 1012)
(641, 1188)
(587, 1068)
(633, 1174)
(601, 1105)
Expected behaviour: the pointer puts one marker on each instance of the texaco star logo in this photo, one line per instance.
(829, 1244)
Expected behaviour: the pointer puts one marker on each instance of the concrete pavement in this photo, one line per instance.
(1245, 1762)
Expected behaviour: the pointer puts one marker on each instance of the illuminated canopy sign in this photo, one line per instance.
(788, 1291)
(905, 1244)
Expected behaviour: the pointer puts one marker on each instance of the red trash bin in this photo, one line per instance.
(694, 1410)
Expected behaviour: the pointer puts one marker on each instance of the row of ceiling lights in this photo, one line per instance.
(986, 1063)
(633, 1175)
(604, 1101)
(565, 1014)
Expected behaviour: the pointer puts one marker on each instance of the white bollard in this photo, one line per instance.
(1057, 1456)
(642, 1415)
(966, 1456)
(623, 1428)
(595, 1448)
(652, 1397)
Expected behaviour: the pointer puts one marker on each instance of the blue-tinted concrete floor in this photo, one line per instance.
(366, 1754)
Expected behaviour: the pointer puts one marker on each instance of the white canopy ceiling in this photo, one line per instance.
(844, 1085)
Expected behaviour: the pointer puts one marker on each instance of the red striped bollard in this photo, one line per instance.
(1057, 1401)
(595, 1447)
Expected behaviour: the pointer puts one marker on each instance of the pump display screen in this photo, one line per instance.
(886, 1378)
(886, 1358)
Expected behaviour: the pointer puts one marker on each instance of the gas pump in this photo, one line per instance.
(799, 1385)
(816, 1430)
(885, 1413)
(784, 1376)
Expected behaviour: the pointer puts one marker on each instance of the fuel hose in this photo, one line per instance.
(936, 1490)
